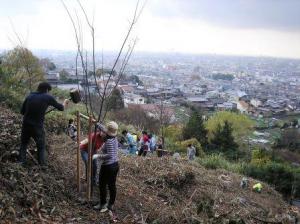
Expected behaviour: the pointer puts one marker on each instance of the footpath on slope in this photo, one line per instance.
(150, 190)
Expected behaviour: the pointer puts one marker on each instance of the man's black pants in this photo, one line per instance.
(107, 177)
(143, 150)
(38, 135)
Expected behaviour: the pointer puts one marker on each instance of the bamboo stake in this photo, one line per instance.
(89, 168)
(86, 117)
(78, 151)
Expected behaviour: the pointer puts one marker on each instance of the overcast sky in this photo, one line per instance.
(241, 27)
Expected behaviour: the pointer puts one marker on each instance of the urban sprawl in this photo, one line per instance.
(267, 89)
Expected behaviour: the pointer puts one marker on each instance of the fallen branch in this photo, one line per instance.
(32, 157)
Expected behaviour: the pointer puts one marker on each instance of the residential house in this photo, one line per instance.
(227, 106)
(243, 106)
(157, 111)
(52, 77)
(131, 98)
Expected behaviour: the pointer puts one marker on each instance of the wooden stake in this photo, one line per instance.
(86, 117)
(89, 171)
(78, 151)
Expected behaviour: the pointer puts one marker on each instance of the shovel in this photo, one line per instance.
(74, 97)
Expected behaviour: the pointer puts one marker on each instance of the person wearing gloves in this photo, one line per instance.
(109, 168)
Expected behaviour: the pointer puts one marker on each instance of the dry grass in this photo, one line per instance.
(150, 190)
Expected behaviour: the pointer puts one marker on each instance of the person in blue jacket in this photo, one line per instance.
(130, 141)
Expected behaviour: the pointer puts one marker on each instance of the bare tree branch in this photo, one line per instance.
(133, 22)
(92, 30)
(121, 72)
(104, 93)
(79, 46)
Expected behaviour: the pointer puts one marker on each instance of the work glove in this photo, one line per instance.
(66, 102)
(100, 156)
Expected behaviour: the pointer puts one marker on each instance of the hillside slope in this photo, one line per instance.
(150, 190)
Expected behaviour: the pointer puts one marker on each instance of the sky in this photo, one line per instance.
(233, 27)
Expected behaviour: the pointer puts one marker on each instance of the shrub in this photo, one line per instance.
(174, 132)
(11, 98)
(72, 109)
(195, 129)
(60, 93)
(57, 122)
(260, 157)
(242, 125)
(224, 142)
(217, 161)
(171, 145)
(280, 175)
(214, 161)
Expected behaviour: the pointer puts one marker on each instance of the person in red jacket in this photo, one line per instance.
(97, 140)
(145, 142)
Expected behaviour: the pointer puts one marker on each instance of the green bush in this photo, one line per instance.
(284, 178)
(57, 122)
(280, 175)
(171, 145)
(217, 161)
(73, 108)
(260, 157)
(174, 132)
(11, 98)
(214, 161)
(181, 147)
(62, 94)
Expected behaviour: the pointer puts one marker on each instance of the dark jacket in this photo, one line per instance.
(34, 108)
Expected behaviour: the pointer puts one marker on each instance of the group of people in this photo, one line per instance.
(104, 142)
(105, 149)
(139, 145)
(134, 145)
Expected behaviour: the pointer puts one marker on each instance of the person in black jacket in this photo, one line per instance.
(33, 110)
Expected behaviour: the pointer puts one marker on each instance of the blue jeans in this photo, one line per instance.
(84, 156)
(152, 148)
(132, 150)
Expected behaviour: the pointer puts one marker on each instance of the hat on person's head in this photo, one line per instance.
(112, 128)
(101, 127)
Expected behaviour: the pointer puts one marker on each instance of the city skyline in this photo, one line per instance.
(254, 28)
